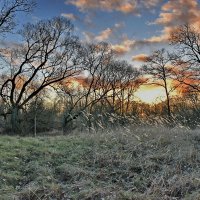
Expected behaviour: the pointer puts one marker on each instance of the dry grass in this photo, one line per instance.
(133, 163)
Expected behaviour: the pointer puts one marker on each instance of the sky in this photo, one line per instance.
(134, 28)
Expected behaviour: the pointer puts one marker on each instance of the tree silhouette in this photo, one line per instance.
(160, 71)
(49, 53)
(8, 11)
(186, 39)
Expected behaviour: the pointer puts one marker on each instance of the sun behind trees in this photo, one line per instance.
(50, 58)
(161, 73)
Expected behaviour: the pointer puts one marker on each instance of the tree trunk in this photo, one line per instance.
(15, 120)
(168, 106)
(68, 123)
(168, 101)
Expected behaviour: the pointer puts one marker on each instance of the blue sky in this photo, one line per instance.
(134, 28)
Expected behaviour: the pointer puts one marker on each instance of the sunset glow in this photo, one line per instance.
(150, 94)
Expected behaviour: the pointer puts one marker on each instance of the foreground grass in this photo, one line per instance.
(131, 164)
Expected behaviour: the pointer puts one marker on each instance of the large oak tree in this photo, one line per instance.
(48, 54)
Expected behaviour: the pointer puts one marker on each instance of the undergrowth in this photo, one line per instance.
(130, 164)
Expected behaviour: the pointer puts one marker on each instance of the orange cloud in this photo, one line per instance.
(178, 12)
(125, 6)
(119, 49)
(75, 82)
(117, 5)
(188, 85)
(124, 47)
(175, 13)
(157, 39)
(140, 58)
(104, 35)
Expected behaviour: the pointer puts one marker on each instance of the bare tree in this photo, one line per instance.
(161, 72)
(95, 85)
(49, 54)
(186, 39)
(8, 11)
(107, 82)
(124, 81)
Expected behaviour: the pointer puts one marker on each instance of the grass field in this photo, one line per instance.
(134, 163)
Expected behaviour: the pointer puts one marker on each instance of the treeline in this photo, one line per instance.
(53, 81)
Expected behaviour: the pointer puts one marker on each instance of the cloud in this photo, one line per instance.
(104, 35)
(175, 13)
(151, 3)
(157, 39)
(119, 25)
(87, 19)
(125, 6)
(140, 58)
(125, 46)
(69, 16)
(101, 37)
(129, 44)
(178, 12)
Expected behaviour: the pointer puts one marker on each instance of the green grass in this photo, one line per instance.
(134, 163)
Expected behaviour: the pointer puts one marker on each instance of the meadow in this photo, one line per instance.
(132, 163)
(99, 100)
